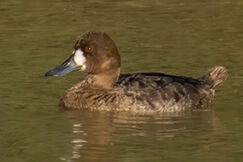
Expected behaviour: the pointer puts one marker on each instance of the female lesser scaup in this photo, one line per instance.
(105, 89)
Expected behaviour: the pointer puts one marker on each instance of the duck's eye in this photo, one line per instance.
(88, 50)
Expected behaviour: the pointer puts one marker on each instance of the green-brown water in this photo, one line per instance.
(182, 37)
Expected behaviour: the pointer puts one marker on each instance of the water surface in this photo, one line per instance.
(177, 37)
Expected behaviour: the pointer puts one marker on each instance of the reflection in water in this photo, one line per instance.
(77, 142)
(98, 134)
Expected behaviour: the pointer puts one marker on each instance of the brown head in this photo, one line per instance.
(96, 54)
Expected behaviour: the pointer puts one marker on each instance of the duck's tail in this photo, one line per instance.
(214, 77)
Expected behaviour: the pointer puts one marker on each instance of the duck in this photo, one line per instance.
(105, 89)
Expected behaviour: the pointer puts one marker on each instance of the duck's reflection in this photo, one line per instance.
(107, 136)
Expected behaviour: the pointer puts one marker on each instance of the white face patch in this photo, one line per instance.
(80, 59)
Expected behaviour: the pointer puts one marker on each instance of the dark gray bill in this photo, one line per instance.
(66, 67)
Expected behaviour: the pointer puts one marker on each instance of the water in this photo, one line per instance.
(177, 37)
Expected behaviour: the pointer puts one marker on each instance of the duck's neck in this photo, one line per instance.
(105, 80)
